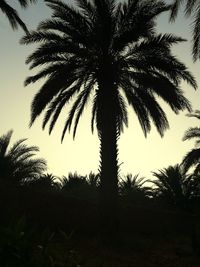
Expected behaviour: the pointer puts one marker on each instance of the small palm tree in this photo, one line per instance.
(73, 181)
(110, 53)
(44, 182)
(12, 14)
(192, 8)
(17, 164)
(84, 187)
(192, 158)
(133, 187)
(175, 186)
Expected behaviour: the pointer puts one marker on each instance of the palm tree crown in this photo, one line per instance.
(192, 8)
(133, 187)
(17, 164)
(108, 52)
(175, 186)
(12, 14)
(192, 158)
(114, 43)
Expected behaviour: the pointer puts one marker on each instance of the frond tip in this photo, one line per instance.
(12, 14)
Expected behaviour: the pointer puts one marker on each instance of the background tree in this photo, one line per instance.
(108, 52)
(132, 187)
(18, 164)
(192, 158)
(176, 187)
(12, 14)
(192, 9)
(45, 182)
(81, 187)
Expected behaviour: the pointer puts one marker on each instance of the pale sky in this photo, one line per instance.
(137, 154)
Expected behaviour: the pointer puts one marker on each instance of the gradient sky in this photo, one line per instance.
(137, 153)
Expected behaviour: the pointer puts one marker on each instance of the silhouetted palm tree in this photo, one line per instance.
(133, 187)
(17, 164)
(192, 158)
(85, 187)
(192, 9)
(175, 186)
(12, 14)
(108, 52)
(44, 182)
(73, 181)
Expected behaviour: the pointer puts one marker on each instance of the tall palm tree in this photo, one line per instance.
(17, 164)
(108, 52)
(192, 158)
(192, 9)
(12, 14)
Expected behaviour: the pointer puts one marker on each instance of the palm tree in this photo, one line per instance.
(84, 187)
(110, 52)
(192, 8)
(175, 186)
(12, 14)
(45, 182)
(133, 187)
(17, 164)
(192, 158)
(73, 181)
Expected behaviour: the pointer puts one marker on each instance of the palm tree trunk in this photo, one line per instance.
(108, 135)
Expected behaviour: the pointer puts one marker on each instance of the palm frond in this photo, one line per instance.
(25, 3)
(196, 35)
(4, 142)
(56, 105)
(192, 133)
(195, 114)
(18, 162)
(76, 106)
(174, 9)
(51, 88)
(12, 16)
(137, 105)
(87, 91)
(154, 110)
(192, 158)
(190, 6)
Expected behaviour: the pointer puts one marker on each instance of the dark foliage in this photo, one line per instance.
(176, 188)
(192, 158)
(192, 9)
(12, 14)
(17, 163)
(132, 188)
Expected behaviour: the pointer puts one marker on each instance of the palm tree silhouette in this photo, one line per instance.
(73, 181)
(45, 182)
(12, 14)
(133, 187)
(110, 52)
(175, 186)
(192, 158)
(192, 8)
(17, 164)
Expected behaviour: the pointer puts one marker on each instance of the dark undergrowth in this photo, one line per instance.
(47, 228)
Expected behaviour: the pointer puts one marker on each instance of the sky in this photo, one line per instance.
(137, 154)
